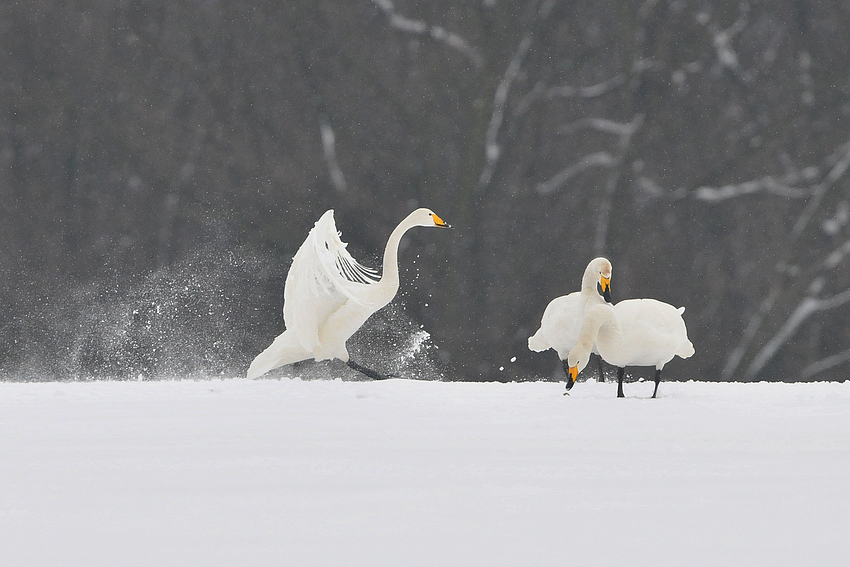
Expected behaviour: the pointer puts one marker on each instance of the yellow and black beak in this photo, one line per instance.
(572, 374)
(440, 223)
(605, 284)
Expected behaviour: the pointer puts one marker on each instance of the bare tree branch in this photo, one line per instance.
(590, 91)
(824, 364)
(842, 163)
(792, 185)
(804, 60)
(599, 159)
(438, 33)
(540, 92)
(837, 256)
(722, 40)
(806, 308)
(601, 125)
(839, 162)
(733, 361)
(842, 216)
(329, 147)
(500, 99)
(768, 184)
(626, 132)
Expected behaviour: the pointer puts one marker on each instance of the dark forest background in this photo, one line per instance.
(161, 162)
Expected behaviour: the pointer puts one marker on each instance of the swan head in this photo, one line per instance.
(601, 271)
(426, 217)
(576, 361)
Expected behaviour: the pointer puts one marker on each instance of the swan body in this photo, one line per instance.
(634, 332)
(328, 295)
(562, 319)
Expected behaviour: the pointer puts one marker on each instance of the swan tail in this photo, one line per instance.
(537, 342)
(284, 350)
(686, 350)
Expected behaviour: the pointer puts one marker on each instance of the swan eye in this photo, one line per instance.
(438, 221)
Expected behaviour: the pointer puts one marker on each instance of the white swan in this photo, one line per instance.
(328, 295)
(634, 332)
(561, 323)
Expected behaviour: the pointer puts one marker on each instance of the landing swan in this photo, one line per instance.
(561, 323)
(328, 295)
(634, 332)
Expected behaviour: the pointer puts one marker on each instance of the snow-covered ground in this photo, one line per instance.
(409, 473)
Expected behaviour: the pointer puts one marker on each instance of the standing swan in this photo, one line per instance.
(635, 332)
(328, 295)
(561, 323)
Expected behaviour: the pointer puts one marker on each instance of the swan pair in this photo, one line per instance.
(328, 295)
(634, 332)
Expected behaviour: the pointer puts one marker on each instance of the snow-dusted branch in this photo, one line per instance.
(804, 60)
(599, 159)
(500, 100)
(806, 308)
(590, 91)
(722, 39)
(624, 130)
(840, 220)
(737, 354)
(824, 364)
(438, 33)
(838, 164)
(540, 92)
(782, 187)
(793, 185)
(329, 147)
(841, 164)
(837, 256)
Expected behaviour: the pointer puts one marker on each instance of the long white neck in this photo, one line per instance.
(600, 326)
(389, 276)
(589, 281)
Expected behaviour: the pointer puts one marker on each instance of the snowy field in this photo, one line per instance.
(414, 473)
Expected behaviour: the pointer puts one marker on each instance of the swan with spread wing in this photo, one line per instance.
(328, 295)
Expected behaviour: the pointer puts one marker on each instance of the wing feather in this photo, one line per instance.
(323, 276)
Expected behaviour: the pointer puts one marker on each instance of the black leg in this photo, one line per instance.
(657, 380)
(599, 367)
(368, 371)
(620, 372)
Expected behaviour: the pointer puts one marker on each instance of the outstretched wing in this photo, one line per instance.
(323, 276)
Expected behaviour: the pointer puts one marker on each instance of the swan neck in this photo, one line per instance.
(588, 280)
(390, 265)
(599, 320)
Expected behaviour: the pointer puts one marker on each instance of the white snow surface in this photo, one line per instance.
(415, 473)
